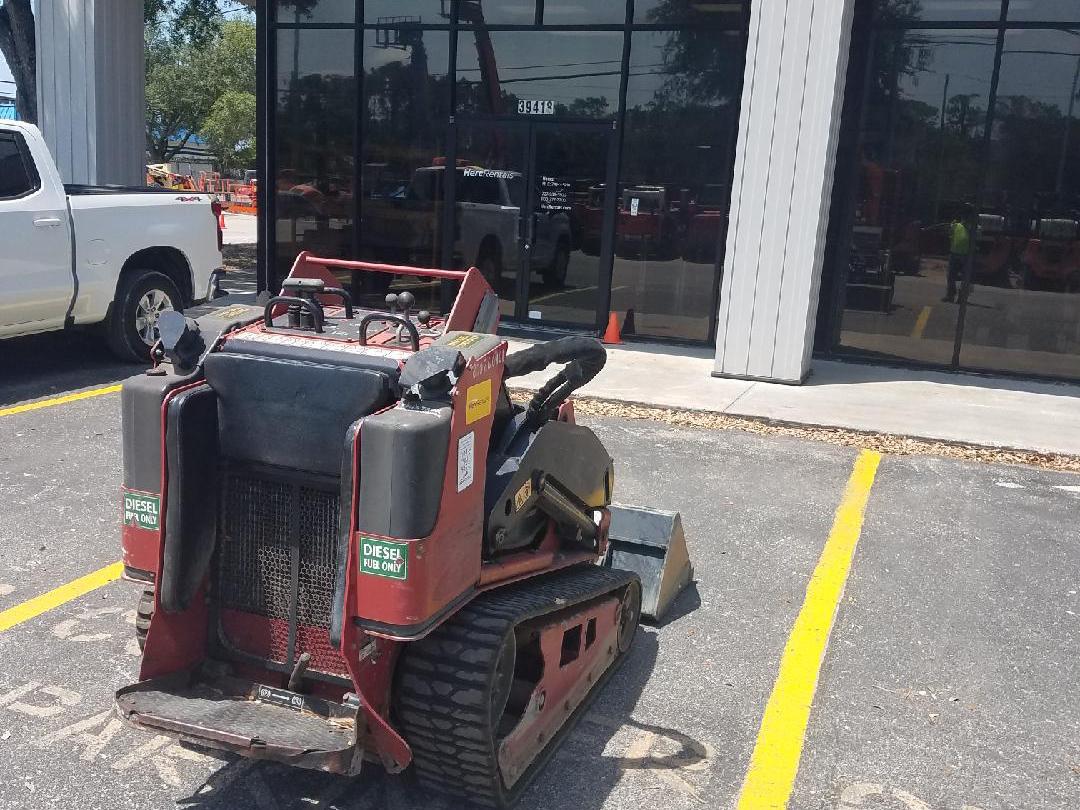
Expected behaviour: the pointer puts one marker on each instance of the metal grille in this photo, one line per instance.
(254, 574)
(255, 566)
(318, 546)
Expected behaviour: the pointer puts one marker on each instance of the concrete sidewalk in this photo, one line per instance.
(240, 229)
(965, 408)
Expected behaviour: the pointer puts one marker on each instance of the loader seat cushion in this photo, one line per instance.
(291, 413)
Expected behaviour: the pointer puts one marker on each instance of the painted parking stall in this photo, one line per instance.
(916, 664)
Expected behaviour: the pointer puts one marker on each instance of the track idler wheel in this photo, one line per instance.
(487, 697)
(629, 615)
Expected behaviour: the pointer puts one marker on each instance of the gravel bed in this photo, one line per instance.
(881, 442)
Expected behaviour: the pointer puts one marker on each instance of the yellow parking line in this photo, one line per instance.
(920, 323)
(59, 596)
(775, 761)
(48, 403)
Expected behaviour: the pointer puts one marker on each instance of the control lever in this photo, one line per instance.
(405, 300)
(392, 302)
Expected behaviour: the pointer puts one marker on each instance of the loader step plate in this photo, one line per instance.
(245, 717)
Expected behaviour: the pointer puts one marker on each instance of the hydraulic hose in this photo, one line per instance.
(584, 358)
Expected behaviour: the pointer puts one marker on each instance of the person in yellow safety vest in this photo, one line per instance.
(959, 250)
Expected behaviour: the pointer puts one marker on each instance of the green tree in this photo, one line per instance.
(194, 21)
(186, 77)
(18, 47)
(229, 130)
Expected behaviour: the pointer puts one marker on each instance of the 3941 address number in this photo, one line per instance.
(534, 106)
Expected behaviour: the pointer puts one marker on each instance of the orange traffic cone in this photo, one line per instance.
(221, 221)
(611, 334)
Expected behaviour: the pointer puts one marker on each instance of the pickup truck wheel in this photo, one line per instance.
(140, 299)
(490, 268)
(555, 274)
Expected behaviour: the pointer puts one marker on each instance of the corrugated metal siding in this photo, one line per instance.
(795, 68)
(91, 86)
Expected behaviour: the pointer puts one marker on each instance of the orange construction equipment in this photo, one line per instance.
(611, 334)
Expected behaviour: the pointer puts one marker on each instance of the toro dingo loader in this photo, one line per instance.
(357, 547)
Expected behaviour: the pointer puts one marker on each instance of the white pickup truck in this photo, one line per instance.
(75, 256)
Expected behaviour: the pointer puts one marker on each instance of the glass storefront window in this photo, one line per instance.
(913, 12)
(406, 107)
(316, 11)
(682, 113)
(315, 114)
(1044, 11)
(584, 12)
(1023, 310)
(510, 159)
(675, 12)
(920, 170)
(569, 74)
(547, 12)
(428, 12)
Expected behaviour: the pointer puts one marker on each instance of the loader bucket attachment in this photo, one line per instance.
(651, 544)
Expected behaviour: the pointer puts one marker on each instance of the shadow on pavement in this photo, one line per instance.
(46, 365)
(685, 603)
(597, 763)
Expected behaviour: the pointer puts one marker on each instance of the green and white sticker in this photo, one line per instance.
(384, 558)
(142, 510)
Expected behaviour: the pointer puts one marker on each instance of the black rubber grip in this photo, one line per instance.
(584, 358)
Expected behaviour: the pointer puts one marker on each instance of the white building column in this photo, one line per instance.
(91, 89)
(793, 92)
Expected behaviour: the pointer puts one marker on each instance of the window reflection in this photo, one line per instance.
(497, 12)
(912, 12)
(584, 12)
(406, 106)
(490, 194)
(1023, 310)
(315, 120)
(316, 11)
(548, 12)
(1044, 11)
(919, 175)
(570, 74)
(429, 12)
(675, 12)
(682, 113)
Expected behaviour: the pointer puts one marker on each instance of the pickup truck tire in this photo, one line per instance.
(555, 273)
(140, 297)
(490, 266)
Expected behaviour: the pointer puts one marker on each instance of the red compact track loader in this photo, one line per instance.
(355, 545)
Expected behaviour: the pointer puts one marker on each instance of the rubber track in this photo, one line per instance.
(445, 680)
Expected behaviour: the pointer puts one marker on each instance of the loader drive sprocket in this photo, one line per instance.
(470, 700)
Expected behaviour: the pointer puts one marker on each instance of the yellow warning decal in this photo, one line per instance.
(522, 495)
(465, 341)
(477, 401)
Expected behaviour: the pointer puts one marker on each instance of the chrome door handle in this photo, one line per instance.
(47, 222)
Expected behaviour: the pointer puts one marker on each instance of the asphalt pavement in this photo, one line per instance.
(948, 682)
